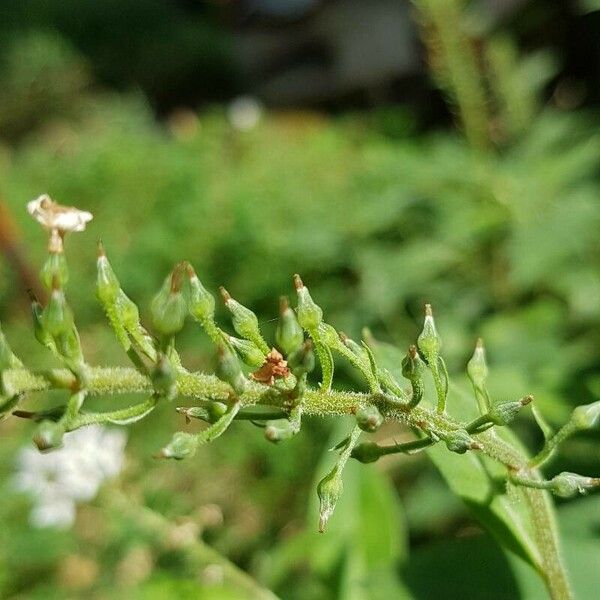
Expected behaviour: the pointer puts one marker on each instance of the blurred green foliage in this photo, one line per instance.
(378, 220)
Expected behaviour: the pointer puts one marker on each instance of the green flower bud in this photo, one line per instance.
(57, 317)
(107, 284)
(429, 342)
(504, 412)
(68, 345)
(182, 445)
(288, 335)
(280, 429)
(368, 418)
(567, 485)
(202, 302)
(244, 321)
(302, 360)
(309, 314)
(55, 266)
(477, 368)
(586, 416)
(211, 412)
(329, 491)
(248, 351)
(229, 369)
(48, 436)
(163, 378)
(460, 441)
(169, 307)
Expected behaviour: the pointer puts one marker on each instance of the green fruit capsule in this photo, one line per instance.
(477, 368)
(169, 307)
(248, 351)
(182, 445)
(55, 266)
(586, 416)
(280, 429)
(202, 302)
(505, 412)
(310, 314)
(57, 317)
(366, 452)
(163, 378)
(288, 335)
(48, 436)
(429, 341)
(302, 360)
(329, 491)
(107, 284)
(229, 369)
(369, 419)
(245, 322)
(460, 441)
(567, 485)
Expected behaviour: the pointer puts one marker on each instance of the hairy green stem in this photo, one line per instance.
(120, 380)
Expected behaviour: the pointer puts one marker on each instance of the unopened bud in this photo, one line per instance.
(368, 418)
(229, 369)
(248, 351)
(309, 314)
(245, 322)
(367, 452)
(169, 307)
(48, 436)
(429, 342)
(202, 302)
(586, 416)
(460, 441)
(182, 445)
(163, 378)
(55, 267)
(477, 368)
(288, 335)
(567, 485)
(504, 412)
(280, 429)
(303, 359)
(329, 491)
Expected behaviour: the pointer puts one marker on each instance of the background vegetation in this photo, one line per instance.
(494, 221)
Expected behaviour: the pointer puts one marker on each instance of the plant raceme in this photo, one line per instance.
(268, 385)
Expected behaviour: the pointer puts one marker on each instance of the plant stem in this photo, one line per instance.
(120, 380)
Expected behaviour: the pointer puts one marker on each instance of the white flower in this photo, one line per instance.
(244, 113)
(73, 473)
(55, 217)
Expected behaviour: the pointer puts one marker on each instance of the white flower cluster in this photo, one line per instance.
(73, 473)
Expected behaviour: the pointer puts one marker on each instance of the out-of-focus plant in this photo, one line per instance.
(275, 395)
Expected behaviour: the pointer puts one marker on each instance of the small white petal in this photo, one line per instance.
(57, 512)
(54, 216)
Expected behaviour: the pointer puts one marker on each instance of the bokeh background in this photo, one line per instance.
(392, 153)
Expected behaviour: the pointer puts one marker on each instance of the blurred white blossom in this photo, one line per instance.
(244, 113)
(73, 473)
